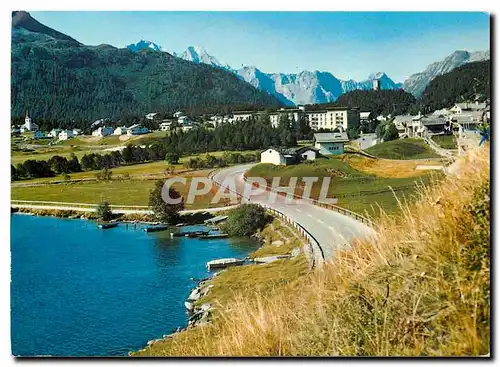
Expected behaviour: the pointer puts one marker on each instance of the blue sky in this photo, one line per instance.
(347, 44)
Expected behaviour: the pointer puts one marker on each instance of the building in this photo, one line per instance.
(38, 135)
(65, 134)
(179, 114)
(279, 156)
(460, 108)
(120, 130)
(77, 132)
(333, 118)
(366, 141)
(103, 131)
(330, 143)
(15, 130)
(137, 129)
(151, 116)
(293, 114)
(365, 117)
(54, 133)
(242, 115)
(29, 125)
(307, 153)
(165, 126)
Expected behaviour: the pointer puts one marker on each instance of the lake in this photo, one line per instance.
(80, 291)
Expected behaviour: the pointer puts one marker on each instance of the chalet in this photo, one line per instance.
(151, 116)
(103, 131)
(365, 117)
(330, 143)
(179, 114)
(77, 132)
(165, 126)
(307, 153)
(65, 134)
(120, 130)
(54, 133)
(279, 156)
(460, 108)
(137, 129)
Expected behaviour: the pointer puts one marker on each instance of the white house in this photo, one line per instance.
(65, 134)
(120, 130)
(23, 129)
(307, 153)
(54, 133)
(330, 143)
(178, 114)
(77, 132)
(279, 156)
(364, 117)
(151, 116)
(137, 129)
(165, 126)
(103, 131)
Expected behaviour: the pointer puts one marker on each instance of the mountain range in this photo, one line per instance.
(58, 78)
(309, 87)
(417, 83)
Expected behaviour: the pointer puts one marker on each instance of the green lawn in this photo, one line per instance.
(116, 192)
(402, 149)
(355, 190)
(445, 141)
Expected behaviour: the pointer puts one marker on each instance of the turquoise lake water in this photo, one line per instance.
(80, 291)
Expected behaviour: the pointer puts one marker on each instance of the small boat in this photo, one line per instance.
(224, 263)
(156, 228)
(196, 234)
(213, 235)
(107, 225)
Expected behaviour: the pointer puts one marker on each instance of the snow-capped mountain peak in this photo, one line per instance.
(142, 45)
(199, 55)
(416, 83)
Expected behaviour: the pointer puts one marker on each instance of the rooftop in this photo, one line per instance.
(331, 137)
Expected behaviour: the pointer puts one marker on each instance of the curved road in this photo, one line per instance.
(332, 230)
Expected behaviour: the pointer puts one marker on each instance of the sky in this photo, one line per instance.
(350, 45)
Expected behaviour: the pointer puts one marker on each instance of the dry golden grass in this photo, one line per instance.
(420, 288)
(389, 168)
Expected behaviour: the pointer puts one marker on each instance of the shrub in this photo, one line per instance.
(246, 220)
(103, 211)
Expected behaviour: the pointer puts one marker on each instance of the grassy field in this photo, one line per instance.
(116, 192)
(420, 288)
(445, 141)
(402, 149)
(356, 189)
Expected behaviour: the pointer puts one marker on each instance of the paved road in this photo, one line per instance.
(333, 231)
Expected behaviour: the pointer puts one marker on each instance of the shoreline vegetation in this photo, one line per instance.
(421, 288)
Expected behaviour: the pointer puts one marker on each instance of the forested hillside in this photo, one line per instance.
(59, 79)
(460, 84)
(384, 102)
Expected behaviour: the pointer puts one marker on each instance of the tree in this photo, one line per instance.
(105, 174)
(163, 211)
(172, 156)
(246, 220)
(391, 132)
(104, 212)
